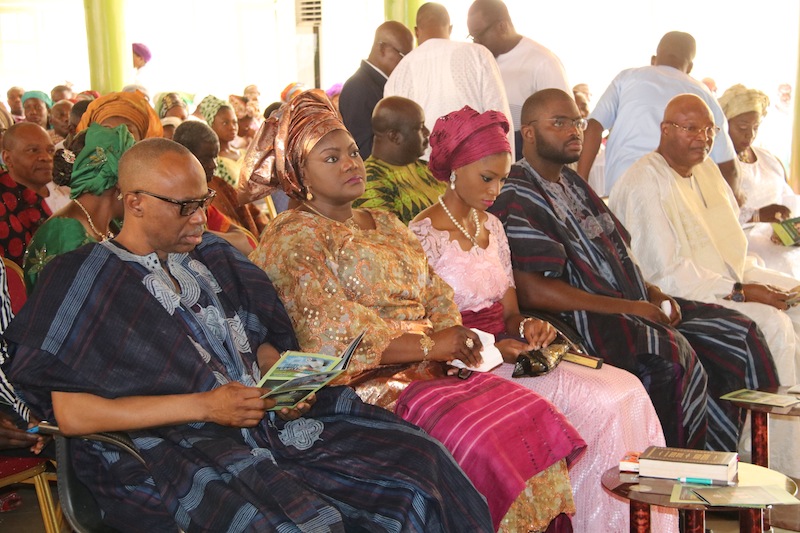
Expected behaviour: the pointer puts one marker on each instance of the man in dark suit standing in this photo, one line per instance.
(362, 91)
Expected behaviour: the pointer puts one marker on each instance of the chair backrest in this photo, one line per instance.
(15, 279)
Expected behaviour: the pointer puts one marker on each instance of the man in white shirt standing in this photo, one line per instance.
(443, 76)
(525, 65)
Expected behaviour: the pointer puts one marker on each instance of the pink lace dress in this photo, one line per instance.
(609, 407)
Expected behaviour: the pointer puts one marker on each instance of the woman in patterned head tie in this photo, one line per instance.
(89, 168)
(340, 271)
(468, 248)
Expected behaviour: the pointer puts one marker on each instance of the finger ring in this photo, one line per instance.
(470, 343)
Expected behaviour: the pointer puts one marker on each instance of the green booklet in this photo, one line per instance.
(761, 398)
(755, 496)
(788, 231)
(297, 375)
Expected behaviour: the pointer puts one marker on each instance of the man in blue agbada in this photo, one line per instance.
(161, 333)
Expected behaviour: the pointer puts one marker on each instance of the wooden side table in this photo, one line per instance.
(759, 423)
(759, 426)
(644, 492)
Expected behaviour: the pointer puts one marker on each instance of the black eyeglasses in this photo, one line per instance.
(188, 207)
(478, 37)
(560, 123)
(401, 54)
(710, 131)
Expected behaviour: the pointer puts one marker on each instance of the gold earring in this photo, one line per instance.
(309, 196)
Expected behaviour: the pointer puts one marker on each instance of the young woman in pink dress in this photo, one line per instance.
(468, 248)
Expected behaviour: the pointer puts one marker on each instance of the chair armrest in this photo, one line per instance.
(116, 438)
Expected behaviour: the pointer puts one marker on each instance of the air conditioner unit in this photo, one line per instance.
(308, 14)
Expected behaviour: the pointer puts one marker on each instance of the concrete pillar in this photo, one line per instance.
(794, 171)
(404, 11)
(110, 56)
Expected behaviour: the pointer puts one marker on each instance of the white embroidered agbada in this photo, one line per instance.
(686, 236)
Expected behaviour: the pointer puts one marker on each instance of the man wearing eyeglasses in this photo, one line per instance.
(163, 332)
(570, 256)
(362, 91)
(525, 65)
(683, 221)
(442, 75)
(633, 104)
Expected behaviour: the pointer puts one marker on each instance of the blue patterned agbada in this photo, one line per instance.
(107, 322)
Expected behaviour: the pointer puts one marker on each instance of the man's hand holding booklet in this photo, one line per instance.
(298, 375)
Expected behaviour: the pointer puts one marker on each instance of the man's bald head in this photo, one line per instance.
(394, 113)
(20, 131)
(392, 41)
(400, 133)
(684, 104)
(164, 192)
(539, 100)
(676, 49)
(433, 22)
(687, 133)
(139, 166)
(490, 25)
(494, 10)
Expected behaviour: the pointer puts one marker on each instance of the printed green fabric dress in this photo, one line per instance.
(58, 235)
(403, 190)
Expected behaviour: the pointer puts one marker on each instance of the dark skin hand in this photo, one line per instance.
(774, 213)
(766, 294)
(451, 343)
(13, 437)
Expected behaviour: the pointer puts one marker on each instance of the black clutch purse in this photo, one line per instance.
(540, 362)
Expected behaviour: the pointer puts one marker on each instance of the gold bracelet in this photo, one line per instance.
(756, 216)
(522, 325)
(426, 343)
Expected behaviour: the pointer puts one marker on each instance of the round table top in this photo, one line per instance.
(655, 491)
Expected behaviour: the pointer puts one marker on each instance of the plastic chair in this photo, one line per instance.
(24, 469)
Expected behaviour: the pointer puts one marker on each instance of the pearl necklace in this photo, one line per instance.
(103, 237)
(462, 229)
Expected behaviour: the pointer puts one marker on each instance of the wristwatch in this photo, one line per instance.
(737, 295)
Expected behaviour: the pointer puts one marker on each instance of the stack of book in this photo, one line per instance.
(679, 463)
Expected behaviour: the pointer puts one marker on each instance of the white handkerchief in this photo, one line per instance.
(491, 355)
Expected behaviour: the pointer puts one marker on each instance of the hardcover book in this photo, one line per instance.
(674, 463)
